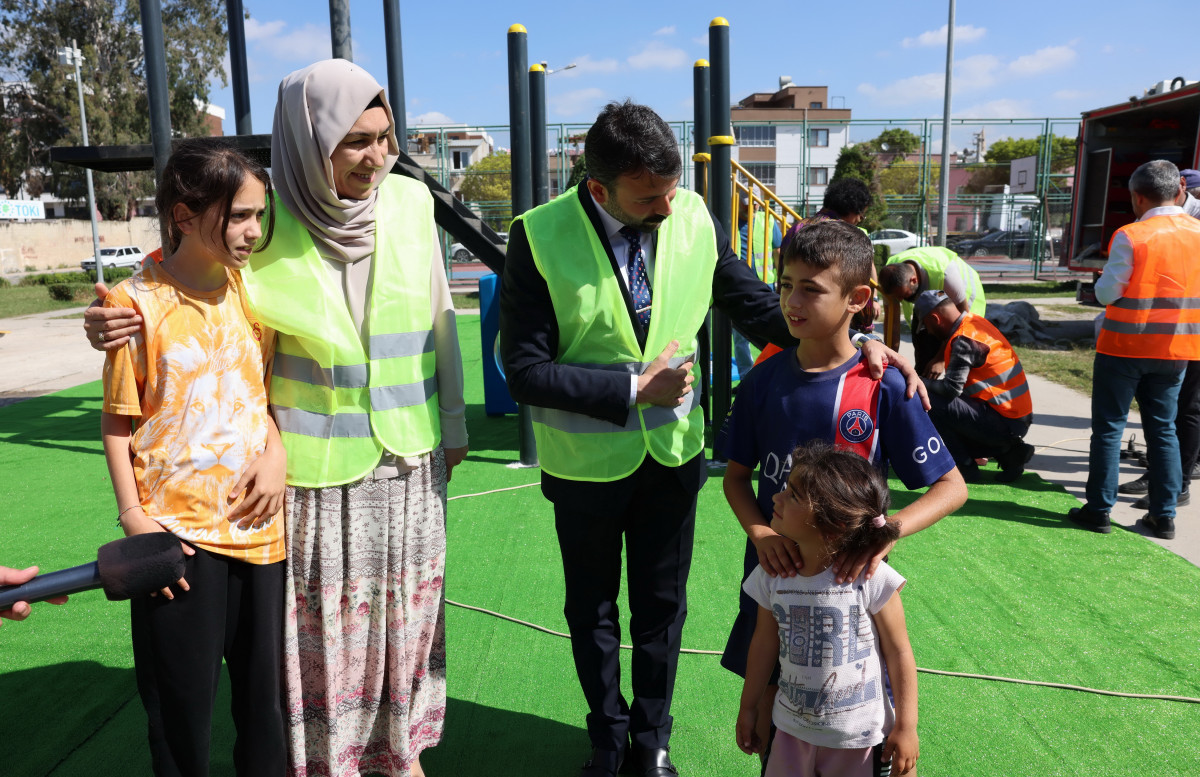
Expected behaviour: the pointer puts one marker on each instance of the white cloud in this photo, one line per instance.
(669, 30)
(429, 118)
(963, 33)
(308, 43)
(587, 64)
(1004, 108)
(1043, 61)
(972, 74)
(658, 56)
(580, 101)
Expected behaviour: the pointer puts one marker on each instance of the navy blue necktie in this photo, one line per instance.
(639, 281)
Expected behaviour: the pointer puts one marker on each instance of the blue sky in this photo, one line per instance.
(881, 60)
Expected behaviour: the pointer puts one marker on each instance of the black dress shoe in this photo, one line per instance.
(1143, 502)
(1139, 486)
(603, 763)
(650, 762)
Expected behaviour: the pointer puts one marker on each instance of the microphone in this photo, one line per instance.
(124, 568)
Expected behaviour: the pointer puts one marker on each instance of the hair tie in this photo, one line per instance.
(879, 521)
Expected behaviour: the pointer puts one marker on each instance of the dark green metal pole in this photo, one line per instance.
(339, 29)
(700, 132)
(522, 182)
(539, 164)
(720, 202)
(156, 87)
(701, 97)
(395, 68)
(237, 64)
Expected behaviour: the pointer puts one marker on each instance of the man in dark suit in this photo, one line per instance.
(604, 291)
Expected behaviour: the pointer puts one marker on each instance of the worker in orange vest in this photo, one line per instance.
(981, 404)
(1151, 330)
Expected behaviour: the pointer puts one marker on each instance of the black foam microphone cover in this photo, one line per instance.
(124, 568)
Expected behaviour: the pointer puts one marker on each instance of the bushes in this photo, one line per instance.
(111, 276)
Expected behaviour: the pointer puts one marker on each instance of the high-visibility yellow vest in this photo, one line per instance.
(1158, 316)
(761, 245)
(935, 260)
(1000, 380)
(340, 405)
(595, 330)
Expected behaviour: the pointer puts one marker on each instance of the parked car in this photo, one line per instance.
(1015, 245)
(121, 256)
(896, 240)
(459, 252)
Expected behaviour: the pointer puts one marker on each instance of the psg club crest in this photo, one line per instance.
(856, 425)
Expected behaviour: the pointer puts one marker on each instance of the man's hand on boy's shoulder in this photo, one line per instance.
(880, 357)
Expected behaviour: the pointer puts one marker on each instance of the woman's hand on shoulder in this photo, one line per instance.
(109, 328)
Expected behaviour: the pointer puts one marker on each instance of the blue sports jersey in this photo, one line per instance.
(780, 406)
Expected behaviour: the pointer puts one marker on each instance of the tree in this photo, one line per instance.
(898, 140)
(903, 177)
(488, 184)
(858, 161)
(41, 110)
(489, 179)
(578, 171)
(1002, 152)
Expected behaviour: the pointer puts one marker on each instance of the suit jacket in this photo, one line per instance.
(529, 329)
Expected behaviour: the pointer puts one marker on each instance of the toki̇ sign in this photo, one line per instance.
(22, 209)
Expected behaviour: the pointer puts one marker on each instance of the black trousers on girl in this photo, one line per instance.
(234, 611)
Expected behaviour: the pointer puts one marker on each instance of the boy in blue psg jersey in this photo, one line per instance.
(821, 390)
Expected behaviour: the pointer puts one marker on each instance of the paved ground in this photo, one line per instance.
(47, 352)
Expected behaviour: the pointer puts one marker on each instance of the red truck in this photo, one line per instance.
(1161, 124)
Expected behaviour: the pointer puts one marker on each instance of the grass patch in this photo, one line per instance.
(1029, 289)
(468, 301)
(1070, 367)
(27, 300)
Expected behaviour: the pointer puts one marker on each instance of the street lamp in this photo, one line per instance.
(67, 57)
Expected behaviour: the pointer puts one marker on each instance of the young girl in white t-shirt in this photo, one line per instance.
(832, 712)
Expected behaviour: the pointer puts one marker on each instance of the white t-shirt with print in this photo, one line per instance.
(831, 691)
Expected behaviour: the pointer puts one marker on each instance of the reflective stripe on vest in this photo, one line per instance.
(595, 331)
(1158, 315)
(1000, 381)
(934, 260)
(340, 406)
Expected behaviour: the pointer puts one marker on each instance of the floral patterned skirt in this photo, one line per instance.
(364, 641)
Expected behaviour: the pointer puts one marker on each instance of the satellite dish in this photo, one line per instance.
(883, 146)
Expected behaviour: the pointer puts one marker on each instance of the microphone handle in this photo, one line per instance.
(52, 584)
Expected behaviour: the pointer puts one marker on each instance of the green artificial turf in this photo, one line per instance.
(1004, 587)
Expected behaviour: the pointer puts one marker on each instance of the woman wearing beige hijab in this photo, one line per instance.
(366, 388)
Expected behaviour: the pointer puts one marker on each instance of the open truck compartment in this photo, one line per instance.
(1114, 141)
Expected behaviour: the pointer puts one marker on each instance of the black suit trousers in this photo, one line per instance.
(652, 513)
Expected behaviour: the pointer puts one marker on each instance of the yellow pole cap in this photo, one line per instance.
(701, 63)
(517, 28)
(720, 21)
(536, 69)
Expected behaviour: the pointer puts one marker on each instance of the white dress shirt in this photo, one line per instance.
(1119, 267)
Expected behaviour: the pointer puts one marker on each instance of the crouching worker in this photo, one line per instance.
(981, 407)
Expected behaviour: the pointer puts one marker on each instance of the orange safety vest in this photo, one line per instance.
(1158, 316)
(1000, 382)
